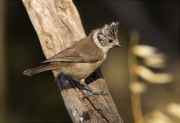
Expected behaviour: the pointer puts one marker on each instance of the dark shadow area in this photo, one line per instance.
(66, 81)
(94, 76)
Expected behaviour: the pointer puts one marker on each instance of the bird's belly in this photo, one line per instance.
(80, 70)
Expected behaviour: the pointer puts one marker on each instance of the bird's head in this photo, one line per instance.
(106, 38)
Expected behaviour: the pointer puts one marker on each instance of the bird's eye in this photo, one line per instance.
(110, 41)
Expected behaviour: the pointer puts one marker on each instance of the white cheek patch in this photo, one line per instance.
(97, 42)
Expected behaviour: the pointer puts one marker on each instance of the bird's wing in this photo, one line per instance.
(81, 52)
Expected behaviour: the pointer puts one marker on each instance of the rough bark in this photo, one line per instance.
(58, 25)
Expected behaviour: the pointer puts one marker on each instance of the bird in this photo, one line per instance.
(83, 57)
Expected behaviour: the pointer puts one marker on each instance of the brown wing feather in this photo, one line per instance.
(81, 52)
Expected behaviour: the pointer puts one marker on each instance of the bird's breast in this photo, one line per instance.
(81, 70)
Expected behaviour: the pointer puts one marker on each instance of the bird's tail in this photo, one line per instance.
(32, 71)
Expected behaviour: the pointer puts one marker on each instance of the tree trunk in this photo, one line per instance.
(58, 25)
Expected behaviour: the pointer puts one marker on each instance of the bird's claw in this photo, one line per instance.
(94, 93)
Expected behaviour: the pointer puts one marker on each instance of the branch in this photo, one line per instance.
(58, 25)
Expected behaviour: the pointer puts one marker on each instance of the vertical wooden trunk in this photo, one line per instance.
(58, 25)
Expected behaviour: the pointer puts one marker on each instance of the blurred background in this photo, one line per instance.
(143, 76)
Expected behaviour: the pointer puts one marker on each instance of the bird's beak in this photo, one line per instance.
(118, 45)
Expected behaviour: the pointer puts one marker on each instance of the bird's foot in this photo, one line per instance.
(94, 93)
